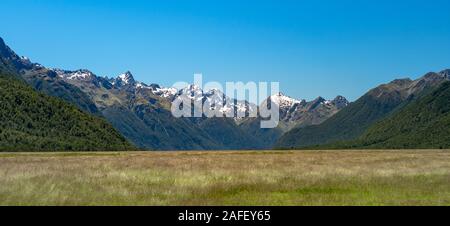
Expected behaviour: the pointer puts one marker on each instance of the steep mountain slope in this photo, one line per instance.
(425, 123)
(43, 79)
(353, 120)
(32, 121)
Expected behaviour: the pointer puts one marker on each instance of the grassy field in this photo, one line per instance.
(406, 177)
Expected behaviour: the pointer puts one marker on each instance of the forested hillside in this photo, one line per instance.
(424, 123)
(33, 121)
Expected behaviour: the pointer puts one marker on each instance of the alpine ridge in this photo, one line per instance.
(141, 112)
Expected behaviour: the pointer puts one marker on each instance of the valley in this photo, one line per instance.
(345, 177)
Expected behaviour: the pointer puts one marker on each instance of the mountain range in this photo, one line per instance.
(141, 112)
(117, 113)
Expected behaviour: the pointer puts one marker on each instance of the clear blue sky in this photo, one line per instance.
(312, 48)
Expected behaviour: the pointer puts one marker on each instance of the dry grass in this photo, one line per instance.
(415, 177)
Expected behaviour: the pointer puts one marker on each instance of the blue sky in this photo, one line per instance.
(313, 48)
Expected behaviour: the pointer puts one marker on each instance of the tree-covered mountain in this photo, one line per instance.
(355, 119)
(424, 123)
(33, 121)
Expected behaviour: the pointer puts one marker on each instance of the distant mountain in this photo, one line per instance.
(142, 113)
(355, 119)
(125, 98)
(33, 121)
(424, 123)
(138, 113)
(293, 114)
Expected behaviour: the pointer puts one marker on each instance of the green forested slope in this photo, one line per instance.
(32, 121)
(354, 120)
(347, 124)
(425, 123)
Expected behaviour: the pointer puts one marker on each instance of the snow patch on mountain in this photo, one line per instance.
(283, 101)
(291, 109)
(125, 79)
(74, 75)
(165, 92)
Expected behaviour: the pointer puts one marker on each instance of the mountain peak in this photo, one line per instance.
(340, 98)
(10, 56)
(340, 102)
(192, 91)
(126, 75)
(319, 99)
(4, 49)
(283, 100)
(125, 79)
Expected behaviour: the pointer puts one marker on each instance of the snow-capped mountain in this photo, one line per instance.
(228, 106)
(283, 101)
(214, 98)
(141, 112)
(193, 92)
(81, 74)
(168, 93)
(124, 79)
(292, 111)
(295, 112)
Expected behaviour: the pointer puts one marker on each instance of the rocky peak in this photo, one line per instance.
(125, 79)
(315, 103)
(318, 100)
(8, 55)
(283, 101)
(340, 102)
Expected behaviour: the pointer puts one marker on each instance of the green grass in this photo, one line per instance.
(408, 177)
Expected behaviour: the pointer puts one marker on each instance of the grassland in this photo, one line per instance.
(408, 177)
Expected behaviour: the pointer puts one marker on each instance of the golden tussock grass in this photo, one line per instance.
(407, 177)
